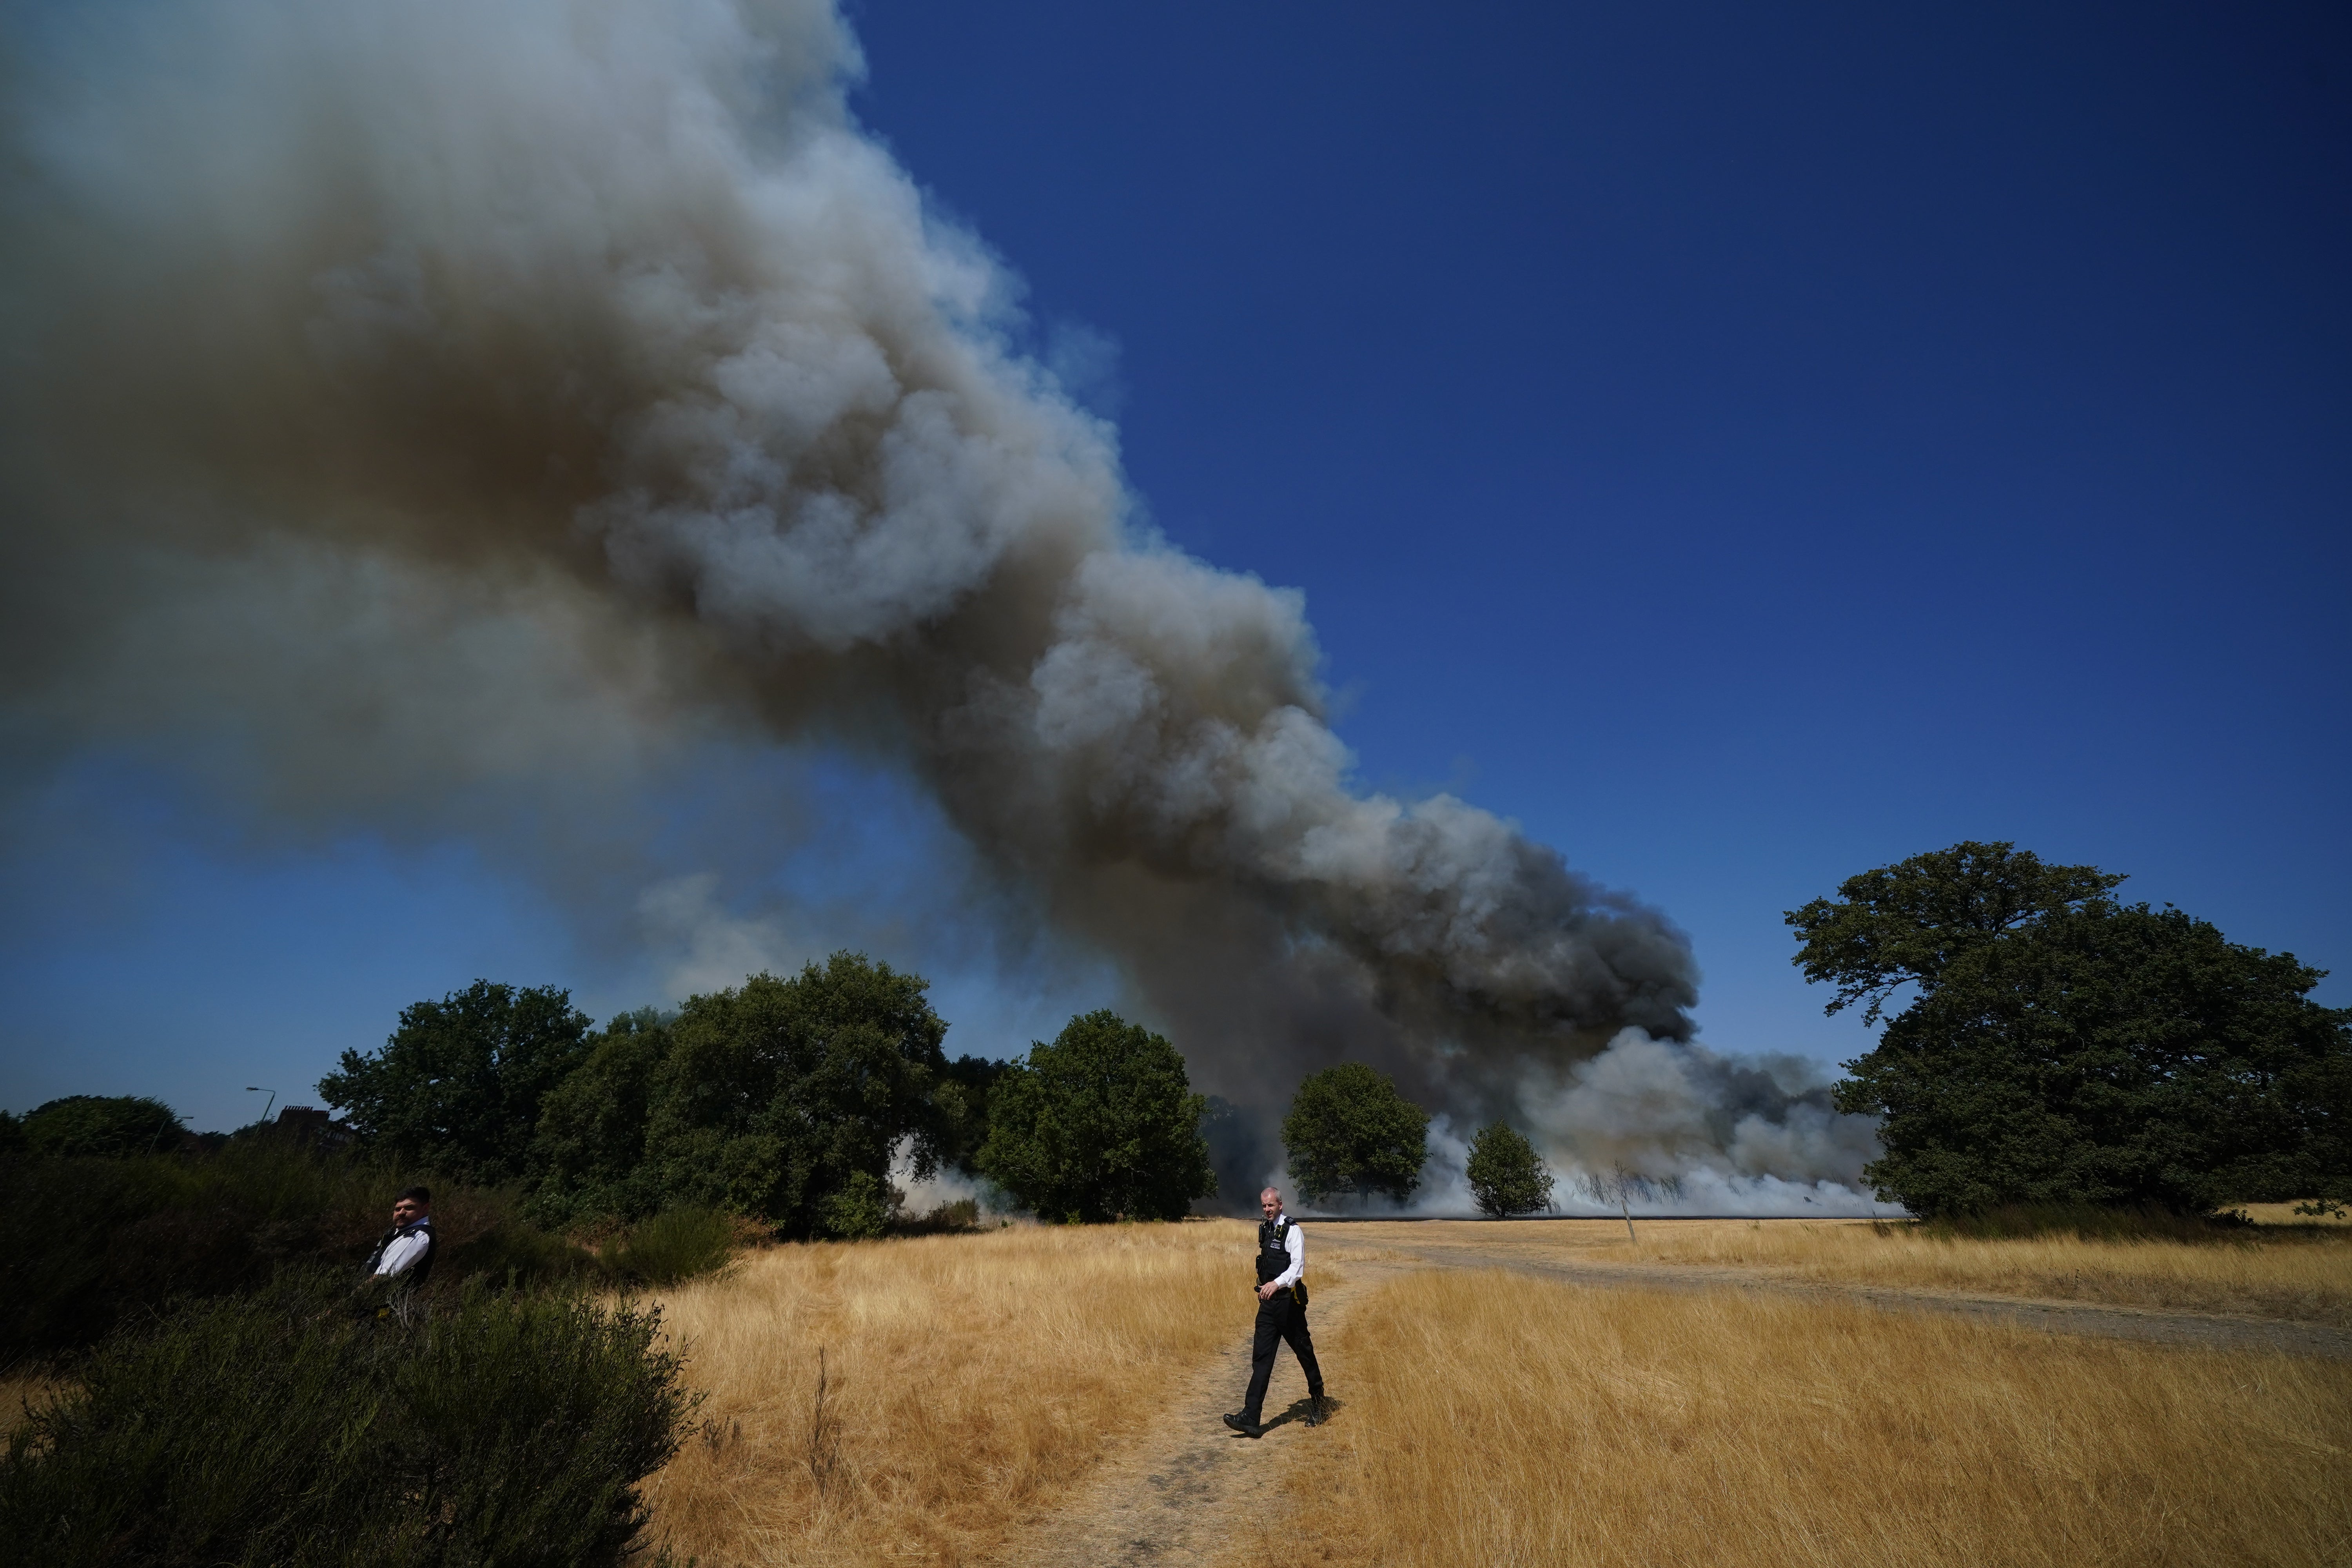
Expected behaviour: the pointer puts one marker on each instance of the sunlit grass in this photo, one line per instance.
(970, 1382)
(1499, 1419)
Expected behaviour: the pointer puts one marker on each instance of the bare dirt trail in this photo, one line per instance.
(1180, 1492)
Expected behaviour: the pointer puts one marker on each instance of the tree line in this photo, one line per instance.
(2054, 1046)
(787, 1101)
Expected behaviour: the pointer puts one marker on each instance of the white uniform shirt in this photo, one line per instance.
(1294, 1242)
(404, 1251)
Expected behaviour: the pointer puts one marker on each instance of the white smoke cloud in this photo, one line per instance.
(433, 398)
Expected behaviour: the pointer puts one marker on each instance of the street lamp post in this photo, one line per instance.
(256, 1089)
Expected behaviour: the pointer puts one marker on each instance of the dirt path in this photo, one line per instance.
(1179, 1494)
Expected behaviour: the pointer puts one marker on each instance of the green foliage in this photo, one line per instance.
(12, 1134)
(1101, 1123)
(673, 1246)
(460, 1084)
(109, 1126)
(963, 1095)
(1908, 922)
(861, 1210)
(774, 1097)
(591, 1145)
(86, 1243)
(2064, 1050)
(1506, 1176)
(1350, 1131)
(280, 1429)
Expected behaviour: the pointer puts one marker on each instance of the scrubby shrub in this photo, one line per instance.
(278, 1428)
(677, 1244)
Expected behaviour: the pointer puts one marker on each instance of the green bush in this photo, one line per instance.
(677, 1244)
(280, 1429)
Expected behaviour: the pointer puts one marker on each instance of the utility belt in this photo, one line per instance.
(1296, 1292)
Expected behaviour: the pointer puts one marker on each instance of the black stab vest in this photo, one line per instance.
(1273, 1248)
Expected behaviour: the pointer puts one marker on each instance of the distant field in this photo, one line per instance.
(2304, 1273)
(1501, 1420)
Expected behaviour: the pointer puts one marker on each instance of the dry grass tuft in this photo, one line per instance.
(1495, 1419)
(968, 1381)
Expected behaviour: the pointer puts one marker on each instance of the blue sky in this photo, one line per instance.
(1746, 447)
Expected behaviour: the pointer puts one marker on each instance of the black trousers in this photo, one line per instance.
(1280, 1321)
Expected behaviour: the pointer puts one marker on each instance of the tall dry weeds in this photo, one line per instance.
(1502, 1421)
(968, 1381)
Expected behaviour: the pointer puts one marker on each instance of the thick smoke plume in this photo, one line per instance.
(433, 392)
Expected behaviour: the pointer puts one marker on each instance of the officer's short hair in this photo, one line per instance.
(423, 1196)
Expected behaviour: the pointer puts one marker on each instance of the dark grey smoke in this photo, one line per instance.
(429, 393)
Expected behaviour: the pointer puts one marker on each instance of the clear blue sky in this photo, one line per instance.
(1745, 445)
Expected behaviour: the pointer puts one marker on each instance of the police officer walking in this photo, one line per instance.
(1281, 1317)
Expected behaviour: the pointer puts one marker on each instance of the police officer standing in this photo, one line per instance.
(1281, 1316)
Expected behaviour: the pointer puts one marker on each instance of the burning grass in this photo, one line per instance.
(1497, 1419)
(2302, 1273)
(966, 1382)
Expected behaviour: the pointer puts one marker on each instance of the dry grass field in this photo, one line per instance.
(970, 1382)
(1496, 1419)
(2302, 1273)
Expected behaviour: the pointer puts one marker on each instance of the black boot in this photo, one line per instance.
(1239, 1422)
(1317, 1410)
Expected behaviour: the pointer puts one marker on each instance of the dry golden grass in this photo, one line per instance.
(2304, 1275)
(970, 1381)
(1494, 1419)
(18, 1394)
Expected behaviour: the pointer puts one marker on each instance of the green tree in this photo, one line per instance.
(590, 1145)
(2106, 1054)
(1908, 922)
(1506, 1176)
(1103, 1121)
(460, 1084)
(775, 1097)
(963, 1096)
(114, 1126)
(1350, 1131)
